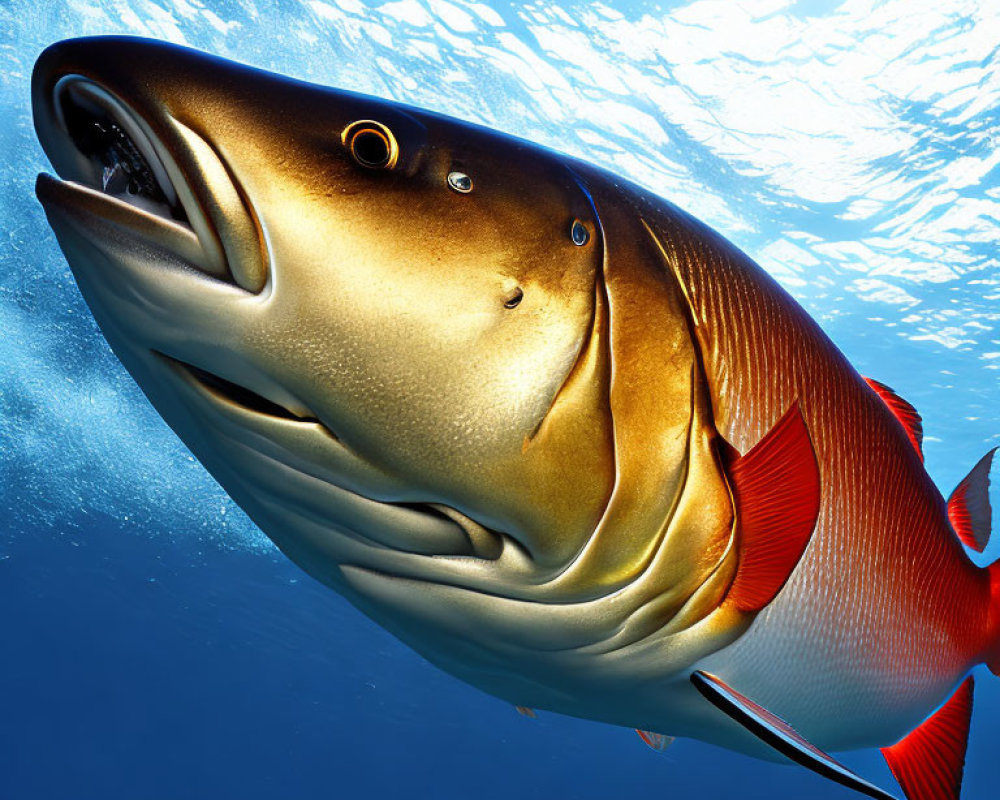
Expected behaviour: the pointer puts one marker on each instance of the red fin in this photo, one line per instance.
(902, 411)
(969, 505)
(928, 764)
(992, 657)
(776, 489)
(658, 741)
(524, 711)
(774, 731)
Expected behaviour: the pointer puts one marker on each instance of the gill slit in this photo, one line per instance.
(654, 551)
(600, 294)
(588, 544)
(693, 324)
(591, 542)
(690, 315)
(581, 357)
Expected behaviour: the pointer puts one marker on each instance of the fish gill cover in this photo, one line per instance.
(155, 645)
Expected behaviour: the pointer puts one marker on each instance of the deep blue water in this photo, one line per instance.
(154, 645)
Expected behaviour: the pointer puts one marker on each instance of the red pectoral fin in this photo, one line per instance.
(902, 411)
(774, 731)
(928, 764)
(776, 491)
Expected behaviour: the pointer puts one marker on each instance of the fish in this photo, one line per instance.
(555, 434)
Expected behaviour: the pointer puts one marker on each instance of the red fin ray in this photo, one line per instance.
(969, 505)
(902, 411)
(929, 762)
(776, 488)
(774, 731)
(992, 657)
(657, 741)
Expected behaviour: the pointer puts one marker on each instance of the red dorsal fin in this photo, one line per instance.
(776, 491)
(524, 711)
(969, 505)
(658, 741)
(904, 412)
(928, 764)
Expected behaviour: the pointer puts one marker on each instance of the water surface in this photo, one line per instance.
(156, 645)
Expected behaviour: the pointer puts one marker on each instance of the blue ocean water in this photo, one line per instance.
(154, 645)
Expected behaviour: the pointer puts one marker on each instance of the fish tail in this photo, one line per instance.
(993, 653)
(971, 517)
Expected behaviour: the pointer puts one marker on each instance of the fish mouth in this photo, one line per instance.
(117, 156)
(148, 175)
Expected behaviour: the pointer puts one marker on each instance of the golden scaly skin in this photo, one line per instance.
(530, 497)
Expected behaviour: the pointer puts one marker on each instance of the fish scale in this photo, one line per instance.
(605, 467)
(882, 551)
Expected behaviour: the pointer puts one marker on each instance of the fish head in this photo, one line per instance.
(407, 285)
(404, 344)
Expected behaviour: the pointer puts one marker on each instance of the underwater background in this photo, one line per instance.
(153, 644)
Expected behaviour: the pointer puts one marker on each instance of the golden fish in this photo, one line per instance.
(556, 435)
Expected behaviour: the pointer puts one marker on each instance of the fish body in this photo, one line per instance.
(886, 613)
(552, 432)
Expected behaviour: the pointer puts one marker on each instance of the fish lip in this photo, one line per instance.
(79, 205)
(195, 240)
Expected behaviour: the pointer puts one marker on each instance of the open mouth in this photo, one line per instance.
(113, 153)
(148, 175)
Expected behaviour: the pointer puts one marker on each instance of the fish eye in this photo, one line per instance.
(460, 182)
(515, 298)
(579, 233)
(371, 144)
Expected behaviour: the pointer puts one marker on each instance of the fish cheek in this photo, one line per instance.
(393, 328)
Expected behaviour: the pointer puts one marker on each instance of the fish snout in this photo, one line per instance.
(163, 241)
(127, 165)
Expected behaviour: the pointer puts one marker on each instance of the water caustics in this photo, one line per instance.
(850, 148)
